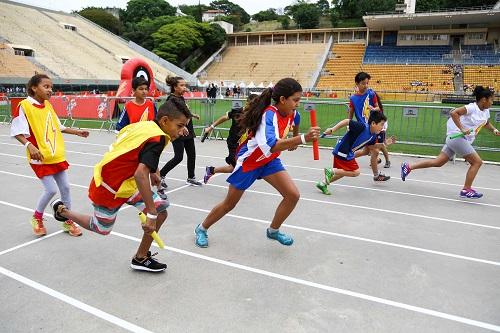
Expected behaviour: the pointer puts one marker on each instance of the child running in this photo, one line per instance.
(123, 177)
(138, 109)
(358, 136)
(361, 104)
(38, 128)
(467, 120)
(267, 126)
(185, 142)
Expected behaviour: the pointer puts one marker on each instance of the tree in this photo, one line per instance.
(102, 18)
(306, 15)
(175, 41)
(285, 22)
(230, 8)
(266, 15)
(137, 10)
(141, 32)
(235, 20)
(323, 6)
(195, 11)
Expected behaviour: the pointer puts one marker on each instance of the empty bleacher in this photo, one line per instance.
(87, 53)
(12, 65)
(488, 76)
(342, 66)
(267, 63)
(392, 54)
(480, 54)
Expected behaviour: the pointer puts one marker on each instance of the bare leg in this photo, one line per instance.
(224, 169)
(232, 198)
(386, 153)
(475, 163)
(374, 159)
(80, 219)
(282, 182)
(146, 241)
(439, 161)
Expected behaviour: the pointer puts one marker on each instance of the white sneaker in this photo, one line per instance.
(193, 182)
(162, 189)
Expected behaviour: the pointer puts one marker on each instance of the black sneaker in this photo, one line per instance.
(162, 189)
(56, 204)
(381, 178)
(387, 164)
(148, 264)
(193, 182)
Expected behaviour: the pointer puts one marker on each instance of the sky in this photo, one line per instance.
(251, 6)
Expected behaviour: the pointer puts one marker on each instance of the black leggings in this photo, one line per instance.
(179, 146)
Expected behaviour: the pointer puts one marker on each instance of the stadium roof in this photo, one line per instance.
(393, 21)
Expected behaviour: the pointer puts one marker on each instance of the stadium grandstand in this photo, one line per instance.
(70, 49)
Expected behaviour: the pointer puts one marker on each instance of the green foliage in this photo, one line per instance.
(137, 10)
(324, 6)
(141, 32)
(266, 15)
(102, 18)
(235, 20)
(231, 9)
(194, 10)
(342, 9)
(305, 15)
(285, 22)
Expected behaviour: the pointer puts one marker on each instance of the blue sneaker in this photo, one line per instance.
(209, 172)
(405, 170)
(201, 237)
(470, 194)
(280, 237)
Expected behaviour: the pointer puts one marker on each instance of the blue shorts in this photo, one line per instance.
(243, 180)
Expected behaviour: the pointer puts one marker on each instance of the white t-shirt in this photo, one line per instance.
(20, 123)
(474, 119)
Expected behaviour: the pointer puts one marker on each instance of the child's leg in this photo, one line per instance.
(475, 163)
(49, 190)
(232, 198)
(224, 169)
(374, 152)
(82, 220)
(178, 146)
(62, 181)
(439, 161)
(386, 153)
(282, 182)
(339, 173)
(191, 157)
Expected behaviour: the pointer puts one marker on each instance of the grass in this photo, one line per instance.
(428, 127)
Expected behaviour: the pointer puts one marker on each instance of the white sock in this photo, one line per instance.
(272, 231)
(201, 227)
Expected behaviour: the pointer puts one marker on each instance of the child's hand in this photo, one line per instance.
(208, 129)
(496, 132)
(149, 226)
(328, 131)
(313, 134)
(184, 131)
(196, 116)
(467, 131)
(390, 140)
(155, 178)
(292, 149)
(83, 133)
(35, 153)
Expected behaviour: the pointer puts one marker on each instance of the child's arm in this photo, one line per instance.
(195, 116)
(34, 152)
(74, 131)
(387, 142)
(339, 125)
(492, 128)
(455, 116)
(284, 144)
(351, 112)
(217, 122)
(141, 176)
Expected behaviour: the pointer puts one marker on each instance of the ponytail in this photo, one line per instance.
(252, 113)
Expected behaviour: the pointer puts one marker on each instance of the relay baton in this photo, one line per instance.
(314, 123)
(154, 234)
(457, 135)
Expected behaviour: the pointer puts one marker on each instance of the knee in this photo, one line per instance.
(293, 196)
(51, 191)
(477, 163)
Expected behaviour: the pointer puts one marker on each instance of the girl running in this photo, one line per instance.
(38, 128)
(266, 120)
(468, 121)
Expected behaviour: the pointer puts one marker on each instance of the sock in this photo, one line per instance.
(201, 227)
(38, 215)
(272, 230)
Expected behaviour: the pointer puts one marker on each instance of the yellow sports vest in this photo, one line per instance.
(44, 125)
(128, 139)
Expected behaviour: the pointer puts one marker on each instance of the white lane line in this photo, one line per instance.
(340, 291)
(467, 202)
(74, 302)
(368, 240)
(320, 201)
(362, 239)
(403, 193)
(292, 166)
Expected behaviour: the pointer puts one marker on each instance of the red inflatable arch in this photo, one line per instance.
(133, 68)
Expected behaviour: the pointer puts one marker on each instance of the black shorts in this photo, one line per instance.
(231, 157)
(381, 137)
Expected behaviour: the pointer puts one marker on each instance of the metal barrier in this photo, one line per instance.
(5, 116)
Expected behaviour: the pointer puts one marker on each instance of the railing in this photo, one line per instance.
(439, 10)
(322, 62)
